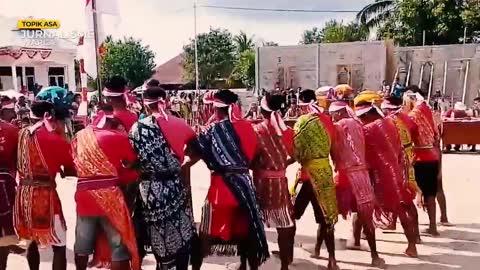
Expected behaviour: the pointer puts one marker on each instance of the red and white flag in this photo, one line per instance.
(107, 20)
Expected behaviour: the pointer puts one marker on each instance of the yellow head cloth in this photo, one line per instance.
(343, 90)
(368, 96)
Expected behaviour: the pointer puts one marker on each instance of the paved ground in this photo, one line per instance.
(457, 248)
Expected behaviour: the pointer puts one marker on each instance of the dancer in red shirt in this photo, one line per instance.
(8, 168)
(388, 171)
(314, 135)
(426, 142)
(38, 212)
(355, 193)
(101, 209)
(231, 219)
(114, 93)
(159, 141)
(274, 152)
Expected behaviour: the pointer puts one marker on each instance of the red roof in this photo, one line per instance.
(170, 72)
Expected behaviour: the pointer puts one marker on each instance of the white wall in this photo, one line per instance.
(41, 66)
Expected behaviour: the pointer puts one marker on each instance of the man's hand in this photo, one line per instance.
(290, 161)
(420, 201)
(131, 165)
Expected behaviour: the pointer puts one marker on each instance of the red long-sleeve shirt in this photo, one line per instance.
(116, 147)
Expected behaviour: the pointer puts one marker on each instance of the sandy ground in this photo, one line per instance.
(457, 248)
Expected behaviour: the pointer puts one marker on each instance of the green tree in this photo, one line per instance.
(127, 58)
(243, 42)
(406, 21)
(471, 18)
(270, 44)
(377, 13)
(216, 58)
(448, 26)
(312, 36)
(334, 31)
(244, 70)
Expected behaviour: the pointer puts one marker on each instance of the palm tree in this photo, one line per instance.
(376, 13)
(243, 42)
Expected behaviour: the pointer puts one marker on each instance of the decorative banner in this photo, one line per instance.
(45, 53)
(30, 52)
(16, 53)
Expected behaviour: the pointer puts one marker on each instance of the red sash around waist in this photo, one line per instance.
(353, 169)
(39, 181)
(93, 183)
(269, 174)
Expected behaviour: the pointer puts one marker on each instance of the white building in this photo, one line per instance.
(28, 58)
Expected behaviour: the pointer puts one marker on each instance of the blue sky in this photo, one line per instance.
(167, 25)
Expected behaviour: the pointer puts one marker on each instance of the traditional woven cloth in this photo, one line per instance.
(426, 127)
(348, 153)
(167, 211)
(37, 201)
(221, 149)
(385, 161)
(401, 121)
(8, 151)
(91, 162)
(312, 145)
(7, 199)
(269, 175)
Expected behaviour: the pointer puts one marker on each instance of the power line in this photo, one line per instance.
(281, 9)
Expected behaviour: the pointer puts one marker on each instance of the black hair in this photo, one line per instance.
(274, 101)
(226, 96)
(5, 99)
(153, 83)
(395, 100)
(116, 84)
(307, 96)
(39, 108)
(372, 110)
(154, 93)
(476, 99)
(60, 113)
(106, 108)
(415, 89)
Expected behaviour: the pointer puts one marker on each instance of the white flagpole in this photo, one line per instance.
(196, 49)
(97, 57)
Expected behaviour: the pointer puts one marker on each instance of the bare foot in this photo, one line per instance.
(411, 252)
(351, 245)
(378, 262)
(315, 255)
(276, 253)
(392, 227)
(419, 240)
(16, 249)
(332, 265)
(236, 266)
(446, 224)
(431, 232)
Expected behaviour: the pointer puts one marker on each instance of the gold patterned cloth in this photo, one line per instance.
(402, 122)
(312, 144)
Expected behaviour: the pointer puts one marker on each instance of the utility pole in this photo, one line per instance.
(196, 48)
